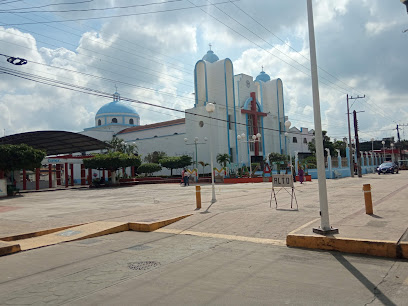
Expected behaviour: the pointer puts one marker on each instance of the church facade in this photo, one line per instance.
(243, 107)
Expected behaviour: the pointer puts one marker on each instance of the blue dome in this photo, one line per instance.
(263, 77)
(116, 107)
(210, 57)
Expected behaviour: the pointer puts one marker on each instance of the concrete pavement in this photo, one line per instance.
(242, 210)
(232, 252)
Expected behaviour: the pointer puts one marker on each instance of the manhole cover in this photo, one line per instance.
(143, 265)
(69, 233)
(139, 247)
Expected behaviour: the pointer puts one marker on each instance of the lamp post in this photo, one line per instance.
(287, 125)
(383, 143)
(210, 108)
(325, 227)
(252, 139)
(195, 144)
(392, 151)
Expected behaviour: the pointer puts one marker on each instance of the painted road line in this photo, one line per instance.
(303, 226)
(222, 236)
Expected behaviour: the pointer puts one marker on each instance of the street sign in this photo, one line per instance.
(282, 180)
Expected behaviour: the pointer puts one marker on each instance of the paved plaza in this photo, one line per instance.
(230, 252)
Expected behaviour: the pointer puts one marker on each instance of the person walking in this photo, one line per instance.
(301, 175)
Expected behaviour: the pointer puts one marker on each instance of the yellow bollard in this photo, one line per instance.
(198, 197)
(367, 199)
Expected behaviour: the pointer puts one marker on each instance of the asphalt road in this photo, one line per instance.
(157, 268)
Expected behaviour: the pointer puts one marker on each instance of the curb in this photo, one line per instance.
(7, 248)
(380, 248)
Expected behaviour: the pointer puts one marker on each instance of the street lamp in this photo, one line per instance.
(196, 143)
(325, 227)
(210, 108)
(287, 125)
(252, 139)
(392, 151)
(383, 143)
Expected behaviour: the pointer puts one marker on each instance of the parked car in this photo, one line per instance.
(388, 167)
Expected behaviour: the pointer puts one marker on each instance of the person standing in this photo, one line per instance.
(182, 176)
(301, 175)
(186, 178)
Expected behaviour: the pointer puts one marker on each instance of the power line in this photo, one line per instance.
(90, 9)
(117, 16)
(52, 4)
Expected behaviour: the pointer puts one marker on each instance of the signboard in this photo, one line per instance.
(57, 160)
(282, 180)
(3, 188)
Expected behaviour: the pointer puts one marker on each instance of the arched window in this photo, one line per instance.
(114, 120)
(294, 140)
(155, 136)
(99, 122)
(304, 140)
(175, 133)
(131, 121)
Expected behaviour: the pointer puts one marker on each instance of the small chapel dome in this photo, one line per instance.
(117, 113)
(210, 57)
(264, 77)
(116, 107)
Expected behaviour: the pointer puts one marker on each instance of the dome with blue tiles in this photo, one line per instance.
(210, 57)
(117, 112)
(116, 107)
(264, 77)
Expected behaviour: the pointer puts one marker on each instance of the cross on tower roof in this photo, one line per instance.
(262, 67)
(209, 45)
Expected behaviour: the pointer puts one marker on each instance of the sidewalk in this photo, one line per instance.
(242, 211)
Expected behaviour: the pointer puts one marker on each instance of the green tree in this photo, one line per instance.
(185, 161)
(278, 159)
(203, 164)
(119, 145)
(223, 159)
(176, 162)
(154, 157)
(112, 161)
(22, 156)
(327, 144)
(149, 168)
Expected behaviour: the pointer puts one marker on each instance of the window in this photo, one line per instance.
(304, 140)
(294, 140)
(114, 120)
(229, 122)
(131, 121)
(99, 122)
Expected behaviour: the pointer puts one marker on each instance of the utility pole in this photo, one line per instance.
(399, 139)
(348, 120)
(357, 145)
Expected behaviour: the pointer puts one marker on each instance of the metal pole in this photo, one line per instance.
(321, 171)
(250, 164)
(213, 200)
(195, 142)
(350, 146)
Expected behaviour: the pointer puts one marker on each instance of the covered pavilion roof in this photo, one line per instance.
(56, 142)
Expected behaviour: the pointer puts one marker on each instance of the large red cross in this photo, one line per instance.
(255, 114)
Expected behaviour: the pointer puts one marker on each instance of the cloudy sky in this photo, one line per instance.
(148, 50)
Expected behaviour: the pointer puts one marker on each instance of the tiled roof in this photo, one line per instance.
(153, 126)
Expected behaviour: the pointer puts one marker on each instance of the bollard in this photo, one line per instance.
(368, 199)
(198, 197)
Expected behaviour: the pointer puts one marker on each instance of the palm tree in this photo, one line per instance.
(203, 164)
(223, 159)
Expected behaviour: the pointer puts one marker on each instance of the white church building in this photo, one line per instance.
(242, 106)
